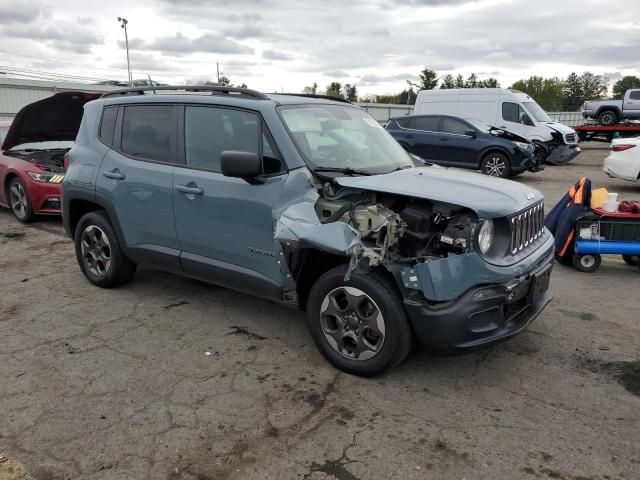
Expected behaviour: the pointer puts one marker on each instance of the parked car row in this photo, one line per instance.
(302, 200)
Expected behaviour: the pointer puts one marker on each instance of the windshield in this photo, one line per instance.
(536, 110)
(49, 145)
(333, 136)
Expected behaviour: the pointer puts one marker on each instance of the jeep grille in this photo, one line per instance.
(526, 227)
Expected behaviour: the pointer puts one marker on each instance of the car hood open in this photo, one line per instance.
(489, 197)
(54, 118)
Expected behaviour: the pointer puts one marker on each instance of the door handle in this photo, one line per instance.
(115, 174)
(189, 190)
(408, 136)
(444, 139)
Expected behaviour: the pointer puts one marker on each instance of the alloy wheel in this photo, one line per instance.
(495, 166)
(96, 251)
(19, 200)
(352, 323)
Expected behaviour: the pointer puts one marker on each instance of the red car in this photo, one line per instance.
(33, 150)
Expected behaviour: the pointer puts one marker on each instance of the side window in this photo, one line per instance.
(209, 131)
(405, 122)
(635, 95)
(108, 124)
(146, 132)
(455, 126)
(512, 112)
(428, 124)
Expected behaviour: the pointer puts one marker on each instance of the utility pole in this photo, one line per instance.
(218, 72)
(123, 24)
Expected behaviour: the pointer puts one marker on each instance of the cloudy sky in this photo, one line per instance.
(275, 45)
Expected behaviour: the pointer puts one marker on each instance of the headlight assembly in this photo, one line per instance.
(527, 147)
(46, 177)
(485, 236)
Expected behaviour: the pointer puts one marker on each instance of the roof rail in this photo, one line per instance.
(214, 89)
(313, 95)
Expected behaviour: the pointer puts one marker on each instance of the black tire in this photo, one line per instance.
(631, 259)
(586, 263)
(496, 165)
(119, 269)
(607, 117)
(380, 293)
(19, 201)
(540, 154)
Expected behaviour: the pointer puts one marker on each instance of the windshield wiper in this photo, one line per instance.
(345, 170)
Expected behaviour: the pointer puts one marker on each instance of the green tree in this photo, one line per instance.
(406, 97)
(312, 90)
(624, 84)
(334, 89)
(490, 83)
(350, 92)
(594, 87)
(472, 81)
(448, 82)
(547, 92)
(427, 80)
(459, 81)
(573, 92)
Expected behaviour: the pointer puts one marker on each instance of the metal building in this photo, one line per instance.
(15, 93)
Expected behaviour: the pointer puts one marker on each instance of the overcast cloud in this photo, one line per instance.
(287, 44)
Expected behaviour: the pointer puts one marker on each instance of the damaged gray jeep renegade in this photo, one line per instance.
(306, 201)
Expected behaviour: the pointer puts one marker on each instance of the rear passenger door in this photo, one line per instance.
(135, 178)
(458, 148)
(224, 224)
(425, 137)
(631, 107)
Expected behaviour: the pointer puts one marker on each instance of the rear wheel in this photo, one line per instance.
(607, 117)
(98, 252)
(631, 259)
(586, 263)
(358, 325)
(496, 165)
(19, 201)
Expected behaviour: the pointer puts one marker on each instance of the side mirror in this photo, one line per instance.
(471, 133)
(239, 164)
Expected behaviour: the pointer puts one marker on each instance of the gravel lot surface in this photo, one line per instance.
(117, 384)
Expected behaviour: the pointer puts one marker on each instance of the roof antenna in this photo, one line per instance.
(151, 82)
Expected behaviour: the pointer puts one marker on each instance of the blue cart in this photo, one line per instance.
(605, 233)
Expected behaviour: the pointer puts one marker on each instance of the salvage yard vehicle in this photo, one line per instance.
(32, 155)
(4, 128)
(308, 202)
(624, 159)
(464, 143)
(507, 109)
(610, 112)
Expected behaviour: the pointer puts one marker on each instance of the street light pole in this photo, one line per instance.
(123, 24)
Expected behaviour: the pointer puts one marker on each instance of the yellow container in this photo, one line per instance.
(598, 197)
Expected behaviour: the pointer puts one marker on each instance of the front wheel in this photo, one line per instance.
(19, 201)
(586, 263)
(358, 325)
(496, 165)
(99, 254)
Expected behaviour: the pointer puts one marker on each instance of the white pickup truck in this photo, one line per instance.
(610, 112)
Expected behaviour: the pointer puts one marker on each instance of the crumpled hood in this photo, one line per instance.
(54, 118)
(489, 197)
(559, 127)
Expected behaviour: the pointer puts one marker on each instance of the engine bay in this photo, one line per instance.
(399, 229)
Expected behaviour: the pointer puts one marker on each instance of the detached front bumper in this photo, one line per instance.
(484, 314)
(563, 153)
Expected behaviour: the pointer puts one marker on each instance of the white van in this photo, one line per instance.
(508, 109)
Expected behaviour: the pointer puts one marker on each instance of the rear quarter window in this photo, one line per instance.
(108, 124)
(405, 122)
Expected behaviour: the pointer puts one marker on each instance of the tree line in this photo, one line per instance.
(551, 93)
